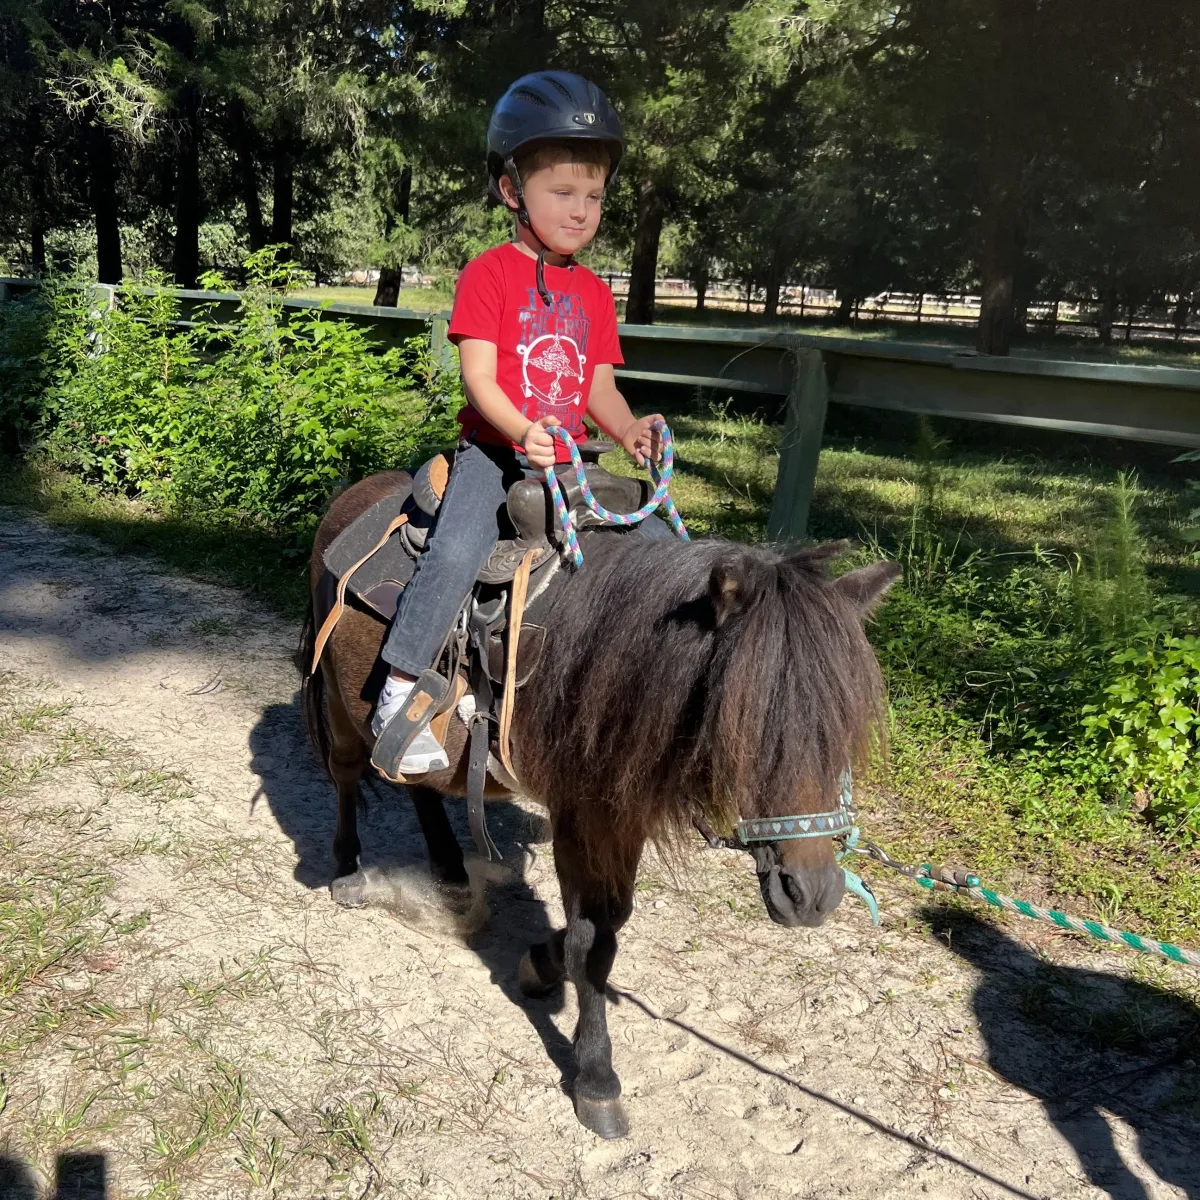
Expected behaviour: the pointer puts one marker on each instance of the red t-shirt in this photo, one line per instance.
(545, 357)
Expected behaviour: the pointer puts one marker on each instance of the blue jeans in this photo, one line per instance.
(462, 537)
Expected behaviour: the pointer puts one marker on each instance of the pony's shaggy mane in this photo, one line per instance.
(704, 677)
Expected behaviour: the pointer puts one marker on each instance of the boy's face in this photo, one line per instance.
(563, 202)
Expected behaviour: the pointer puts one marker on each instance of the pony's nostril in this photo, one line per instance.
(795, 890)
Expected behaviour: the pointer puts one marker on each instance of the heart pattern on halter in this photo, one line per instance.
(836, 823)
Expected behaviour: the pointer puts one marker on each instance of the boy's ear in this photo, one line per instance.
(508, 192)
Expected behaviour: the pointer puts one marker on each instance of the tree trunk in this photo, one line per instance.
(247, 169)
(37, 240)
(387, 290)
(36, 193)
(1183, 311)
(845, 308)
(102, 183)
(1002, 176)
(186, 258)
(282, 197)
(639, 306)
(404, 193)
(1026, 285)
(391, 279)
(999, 253)
(700, 283)
(775, 275)
(1104, 320)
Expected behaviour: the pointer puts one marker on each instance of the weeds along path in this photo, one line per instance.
(179, 994)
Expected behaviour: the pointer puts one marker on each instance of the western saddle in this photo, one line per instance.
(371, 561)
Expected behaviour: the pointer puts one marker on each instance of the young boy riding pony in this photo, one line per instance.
(537, 339)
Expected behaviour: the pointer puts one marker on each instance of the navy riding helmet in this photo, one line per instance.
(548, 106)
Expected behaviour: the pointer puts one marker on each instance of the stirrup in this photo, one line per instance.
(392, 744)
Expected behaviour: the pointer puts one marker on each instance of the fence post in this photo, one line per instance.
(439, 345)
(3, 292)
(804, 426)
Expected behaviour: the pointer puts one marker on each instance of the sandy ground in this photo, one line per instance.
(386, 1050)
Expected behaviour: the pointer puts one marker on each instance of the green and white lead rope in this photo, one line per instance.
(964, 884)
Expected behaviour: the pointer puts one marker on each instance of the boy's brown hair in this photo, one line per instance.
(578, 152)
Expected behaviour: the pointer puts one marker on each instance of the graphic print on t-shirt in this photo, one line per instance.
(553, 352)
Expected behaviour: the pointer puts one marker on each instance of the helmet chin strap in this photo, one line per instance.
(523, 216)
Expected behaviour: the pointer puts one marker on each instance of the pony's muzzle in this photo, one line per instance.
(798, 889)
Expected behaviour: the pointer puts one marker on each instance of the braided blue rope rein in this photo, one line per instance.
(662, 491)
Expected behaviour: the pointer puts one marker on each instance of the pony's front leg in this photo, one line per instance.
(596, 909)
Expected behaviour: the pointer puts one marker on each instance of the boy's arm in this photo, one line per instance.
(478, 359)
(607, 407)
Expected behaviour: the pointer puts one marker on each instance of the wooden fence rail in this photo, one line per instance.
(1141, 403)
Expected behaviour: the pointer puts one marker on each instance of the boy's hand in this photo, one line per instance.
(643, 442)
(538, 444)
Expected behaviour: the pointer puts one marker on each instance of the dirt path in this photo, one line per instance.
(183, 997)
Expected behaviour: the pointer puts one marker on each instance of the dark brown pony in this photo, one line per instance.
(677, 680)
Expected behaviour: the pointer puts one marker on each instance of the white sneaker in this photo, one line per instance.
(425, 753)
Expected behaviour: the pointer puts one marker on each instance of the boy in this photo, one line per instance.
(537, 339)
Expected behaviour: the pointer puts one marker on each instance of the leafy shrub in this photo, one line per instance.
(1148, 727)
(1192, 531)
(1066, 663)
(259, 422)
(24, 334)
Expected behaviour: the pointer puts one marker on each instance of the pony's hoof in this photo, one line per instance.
(453, 875)
(350, 891)
(532, 984)
(607, 1118)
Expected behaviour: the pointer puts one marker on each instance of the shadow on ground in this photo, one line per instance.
(302, 801)
(78, 1176)
(1086, 1043)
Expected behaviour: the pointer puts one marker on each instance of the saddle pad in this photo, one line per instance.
(365, 530)
(379, 581)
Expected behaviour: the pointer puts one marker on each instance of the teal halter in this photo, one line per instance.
(837, 823)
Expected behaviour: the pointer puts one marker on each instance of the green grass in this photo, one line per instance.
(956, 792)
(418, 299)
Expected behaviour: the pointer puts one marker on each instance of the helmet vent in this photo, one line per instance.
(532, 97)
(561, 88)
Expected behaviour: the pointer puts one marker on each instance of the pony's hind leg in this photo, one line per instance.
(445, 854)
(543, 967)
(596, 909)
(348, 758)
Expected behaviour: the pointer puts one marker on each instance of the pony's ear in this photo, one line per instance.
(733, 584)
(867, 586)
(828, 551)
